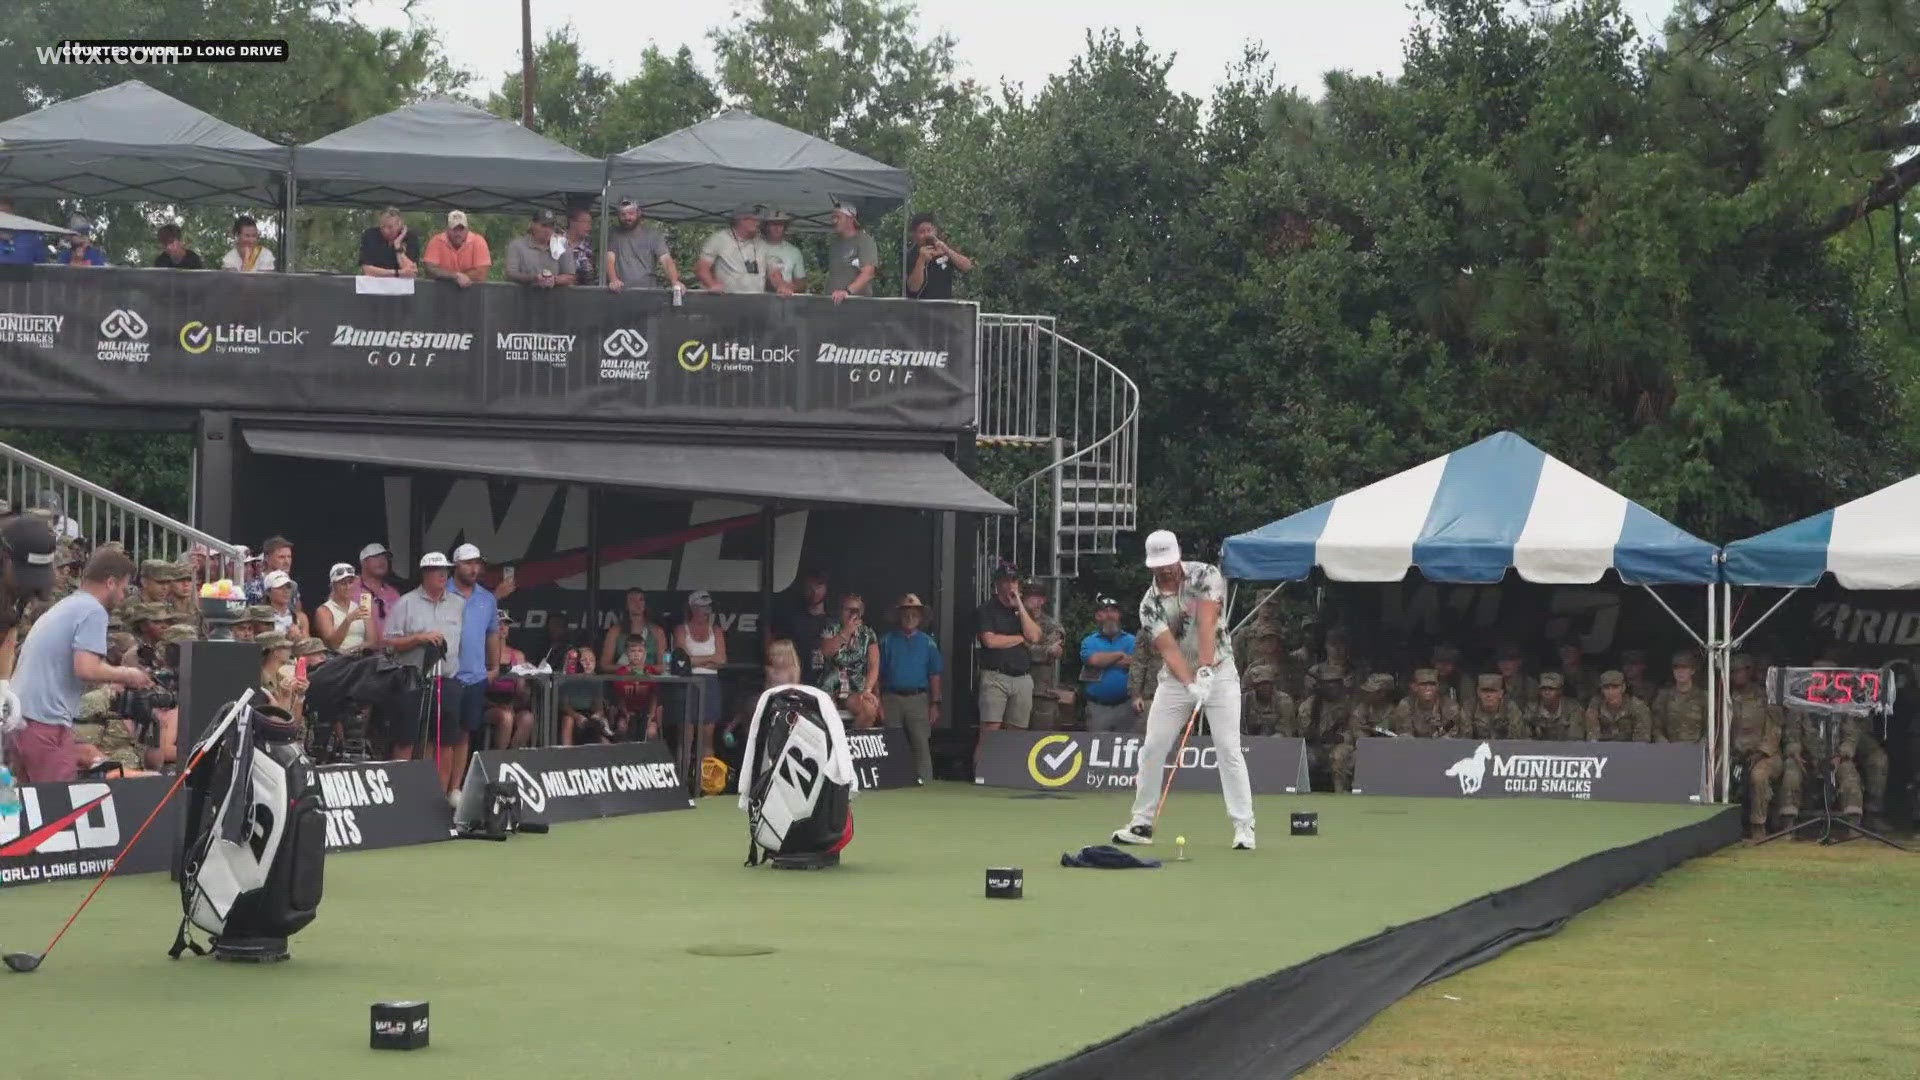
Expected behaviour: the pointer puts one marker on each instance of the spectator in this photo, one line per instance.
(342, 621)
(1046, 654)
(248, 255)
(803, 619)
(1580, 682)
(634, 251)
(706, 651)
(733, 259)
(1006, 667)
(786, 269)
(510, 706)
(156, 583)
(559, 642)
(636, 624)
(531, 259)
(262, 619)
(852, 257)
(1105, 656)
(183, 595)
(376, 568)
(423, 630)
(64, 651)
(910, 670)
(30, 573)
(580, 244)
(80, 247)
(783, 664)
(287, 618)
(479, 660)
(22, 248)
(583, 702)
(850, 656)
(389, 249)
(459, 254)
(174, 254)
(637, 696)
(930, 263)
(275, 554)
(277, 680)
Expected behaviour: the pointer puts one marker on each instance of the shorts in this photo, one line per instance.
(471, 712)
(708, 687)
(1006, 699)
(43, 753)
(417, 728)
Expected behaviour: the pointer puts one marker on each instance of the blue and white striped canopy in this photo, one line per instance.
(1467, 518)
(1872, 542)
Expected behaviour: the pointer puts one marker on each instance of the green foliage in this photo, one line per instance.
(584, 107)
(151, 468)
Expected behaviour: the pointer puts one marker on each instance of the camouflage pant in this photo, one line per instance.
(1759, 777)
(113, 742)
(1797, 775)
(1336, 760)
(1872, 759)
(1046, 707)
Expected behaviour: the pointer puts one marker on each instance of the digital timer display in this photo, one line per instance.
(1835, 689)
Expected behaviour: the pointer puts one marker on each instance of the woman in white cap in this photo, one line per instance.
(706, 650)
(342, 620)
(287, 619)
(1181, 615)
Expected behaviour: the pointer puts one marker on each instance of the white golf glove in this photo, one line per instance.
(1202, 686)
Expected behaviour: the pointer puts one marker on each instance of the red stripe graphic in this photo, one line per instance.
(28, 843)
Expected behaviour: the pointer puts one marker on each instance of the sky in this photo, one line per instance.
(1021, 41)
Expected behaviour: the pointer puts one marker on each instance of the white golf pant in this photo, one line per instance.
(1172, 705)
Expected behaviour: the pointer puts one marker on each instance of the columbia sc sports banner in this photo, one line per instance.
(293, 342)
(381, 804)
(1469, 768)
(574, 783)
(74, 830)
(883, 758)
(1072, 761)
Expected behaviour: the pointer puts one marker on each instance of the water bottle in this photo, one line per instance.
(9, 794)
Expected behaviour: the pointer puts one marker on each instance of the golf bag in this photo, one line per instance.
(256, 837)
(796, 780)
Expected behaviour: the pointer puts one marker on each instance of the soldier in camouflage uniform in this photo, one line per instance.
(1869, 756)
(1553, 716)
(1510, 662)
(1806, 766)
(1755, 740)
(1336, 667)
(156, 586)
(1579, 683)
(1045, 655)
(1455, 685)
(1142, 676)
(1327, 724)
(1375, 711)
(111, 736)
(1615, 716)
(1492, 715)
(1680, 710)
(1633, 668)
(259, 621)
(1261, 642)
(1265, 709)
(1427, 713)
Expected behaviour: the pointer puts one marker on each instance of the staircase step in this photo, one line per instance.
(1011, 440)
(1096, 507)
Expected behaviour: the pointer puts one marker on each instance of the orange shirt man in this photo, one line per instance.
(458, 255)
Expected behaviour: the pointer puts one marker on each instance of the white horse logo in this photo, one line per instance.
(1470, 771)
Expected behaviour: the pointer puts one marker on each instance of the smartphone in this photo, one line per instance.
(506, 572)
(300, 668)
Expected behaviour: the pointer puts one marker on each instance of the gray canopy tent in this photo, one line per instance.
(443, 154)
(736, 158)
(132, 142)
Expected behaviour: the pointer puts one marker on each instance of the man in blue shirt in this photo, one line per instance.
(1105, 656)
(479, 661)
(910, 669)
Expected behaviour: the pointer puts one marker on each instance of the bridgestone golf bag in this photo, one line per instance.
(256, 838)
(797, 780)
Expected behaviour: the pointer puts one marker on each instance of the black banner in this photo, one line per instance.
(74, 830)
(1106, 761)
(574, 783)
(380, 804)
(883, 758)
(299, 343)
(1467, 768)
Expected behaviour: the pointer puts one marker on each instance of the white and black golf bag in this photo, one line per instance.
(797, 780)
(256, 837)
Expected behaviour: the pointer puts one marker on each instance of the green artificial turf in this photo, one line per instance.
(568, 954)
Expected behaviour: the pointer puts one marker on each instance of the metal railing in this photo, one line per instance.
(83, 510)
(1039, 389)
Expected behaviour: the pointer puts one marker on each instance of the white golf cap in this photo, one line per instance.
(466, 553)
(373, 549)
(433, 560)
(277, 579)
(700, 598)
(341, 572)
(1163, 549)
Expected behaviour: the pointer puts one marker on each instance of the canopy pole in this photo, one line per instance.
(286, 238)
(1275, 591)
(1726, 685)
(1714, 740)
(1676, 618)
(1737, 642)
(606, 226)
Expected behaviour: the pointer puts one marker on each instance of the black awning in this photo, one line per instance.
(801, 474)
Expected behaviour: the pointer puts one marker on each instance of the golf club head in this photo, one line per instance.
(22, 962)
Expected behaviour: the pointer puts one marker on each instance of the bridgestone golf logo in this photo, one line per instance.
(866, 746)
(401, 348)
(39, 330)
(553, 350)
(623, 356)
(123, 338)
(880, 365)
(1529, 774)
(342, 792)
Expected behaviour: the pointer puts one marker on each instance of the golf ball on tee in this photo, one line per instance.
(1180, 840)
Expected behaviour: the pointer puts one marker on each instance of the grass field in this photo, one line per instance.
(1786, 960)
(566, 955)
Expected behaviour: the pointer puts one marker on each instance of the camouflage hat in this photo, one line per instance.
(273, 639)
(1685, 658)
(1612, 678)
(1426, 675)
(135, 614)
(1260, 673)
(1491, 681)
(1443, 654)
(309, 646)
(159, 570)
(1633, 656)
(1552, 680)
(1378, 682)
(260, 614)
(119, 644)
(179, 633)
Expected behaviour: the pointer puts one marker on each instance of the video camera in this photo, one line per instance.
(139, 705)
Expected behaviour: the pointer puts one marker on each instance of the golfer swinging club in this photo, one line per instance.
(1180, 614)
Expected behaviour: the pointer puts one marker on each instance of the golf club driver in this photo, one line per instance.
(26, 962)
(1173, 770)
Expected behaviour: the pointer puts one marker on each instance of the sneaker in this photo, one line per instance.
(1243, 838)
(1134, 834)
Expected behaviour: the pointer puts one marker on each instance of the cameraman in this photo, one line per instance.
(26, 575)
(66, 650)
